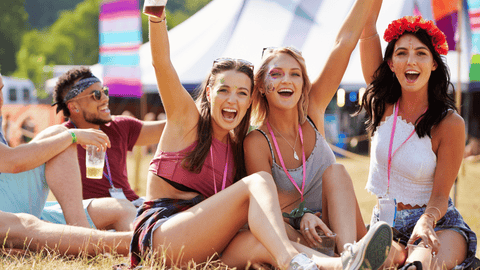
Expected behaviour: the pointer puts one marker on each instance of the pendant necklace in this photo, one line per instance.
(295, 156)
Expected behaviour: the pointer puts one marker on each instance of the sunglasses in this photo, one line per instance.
(97, 94)
(241, 61)
(268, 50)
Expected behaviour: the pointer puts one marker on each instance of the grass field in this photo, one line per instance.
(467, 201)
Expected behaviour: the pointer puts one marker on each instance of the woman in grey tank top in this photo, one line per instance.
(290, 140)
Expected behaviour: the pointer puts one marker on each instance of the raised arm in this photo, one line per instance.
(40, 150)
(326, 84)
(176, 100)
(370, 48)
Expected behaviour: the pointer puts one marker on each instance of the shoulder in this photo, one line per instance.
(451, 127)
(255, 140)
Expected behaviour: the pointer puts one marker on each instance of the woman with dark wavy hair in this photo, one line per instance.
(417, 145)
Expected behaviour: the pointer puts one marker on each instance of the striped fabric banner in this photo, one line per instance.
(445, 13)
(474, 14)
(120, 35)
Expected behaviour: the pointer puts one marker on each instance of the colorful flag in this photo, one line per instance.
(120, 31)
(474, 15)
(445, 14)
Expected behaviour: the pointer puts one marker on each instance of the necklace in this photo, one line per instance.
(295, 156)
(283, 164)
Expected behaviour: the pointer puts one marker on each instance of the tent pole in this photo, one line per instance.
(458, 93)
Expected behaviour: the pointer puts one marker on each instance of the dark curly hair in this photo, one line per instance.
(195, 159)
(65, 83)
(385, 89)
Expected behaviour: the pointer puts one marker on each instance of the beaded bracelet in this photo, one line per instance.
(74, 137)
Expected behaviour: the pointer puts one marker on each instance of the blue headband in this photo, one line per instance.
(80, 86)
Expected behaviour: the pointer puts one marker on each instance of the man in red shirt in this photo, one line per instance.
(83, 99)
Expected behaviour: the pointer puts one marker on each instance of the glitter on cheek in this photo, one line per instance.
(269, 87)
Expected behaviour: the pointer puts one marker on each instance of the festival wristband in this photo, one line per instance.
(74, 137)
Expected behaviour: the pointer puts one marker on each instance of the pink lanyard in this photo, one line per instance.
(390, 156)
(283, 164)
(225, 171)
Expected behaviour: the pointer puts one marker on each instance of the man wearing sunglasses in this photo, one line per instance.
(84, 100)
(49, 162)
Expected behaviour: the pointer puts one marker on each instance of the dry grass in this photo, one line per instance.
(468, 202)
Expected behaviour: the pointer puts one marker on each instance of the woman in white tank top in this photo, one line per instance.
(417, 144)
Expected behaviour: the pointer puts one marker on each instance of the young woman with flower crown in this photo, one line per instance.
(289, 144)
(417, 144)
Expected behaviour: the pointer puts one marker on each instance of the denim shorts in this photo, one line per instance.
(150, 216)
(406, 220)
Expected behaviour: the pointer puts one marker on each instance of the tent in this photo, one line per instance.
(242, 28)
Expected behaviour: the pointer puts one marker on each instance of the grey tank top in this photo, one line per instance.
(319, 160)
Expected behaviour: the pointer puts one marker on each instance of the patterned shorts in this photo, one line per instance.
(406, 220)
(150, 216)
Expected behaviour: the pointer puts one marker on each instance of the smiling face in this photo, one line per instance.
(283, 82)
(229, 98)
(412, 62)
(92, 111)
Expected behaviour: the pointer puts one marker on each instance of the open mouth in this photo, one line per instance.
(285, 92)
(412, 76)
(104, 109)
(229, 114)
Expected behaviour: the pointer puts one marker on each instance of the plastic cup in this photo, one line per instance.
(94, 162)
(327, 245)
(420, 252)
(154, 7)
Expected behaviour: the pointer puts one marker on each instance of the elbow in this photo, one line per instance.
(15, 168)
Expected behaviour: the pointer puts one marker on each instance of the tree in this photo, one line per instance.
(13, 22)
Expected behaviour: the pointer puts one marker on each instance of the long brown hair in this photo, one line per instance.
(195, 159)
(260, 109)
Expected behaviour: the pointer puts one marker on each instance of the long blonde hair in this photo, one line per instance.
(260, 109)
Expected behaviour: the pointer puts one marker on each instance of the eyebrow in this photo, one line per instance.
(417, 48)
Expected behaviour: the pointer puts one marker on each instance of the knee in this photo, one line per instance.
(17, 225)
(336, 173)
(260, 178)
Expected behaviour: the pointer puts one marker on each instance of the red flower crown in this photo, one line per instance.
(412, 24)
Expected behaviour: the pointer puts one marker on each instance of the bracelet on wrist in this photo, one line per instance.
(368, 38)
(74, 137)
(164, 18)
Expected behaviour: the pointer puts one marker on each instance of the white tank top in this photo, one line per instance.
(413, 165)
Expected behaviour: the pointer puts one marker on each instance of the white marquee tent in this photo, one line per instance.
(242, 28)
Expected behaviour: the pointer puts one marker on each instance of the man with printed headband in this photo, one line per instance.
(49, 161)
(82, 98)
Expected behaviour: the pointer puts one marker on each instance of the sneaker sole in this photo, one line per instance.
(378, 248)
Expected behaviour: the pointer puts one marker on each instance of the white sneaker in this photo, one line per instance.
(372, 251)
(302, 262)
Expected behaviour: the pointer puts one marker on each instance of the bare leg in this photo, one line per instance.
(63, 177)
(111, 213)
(24, 231)
(209, 226)
(340, 206)
(453, 250)
(245, 249)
